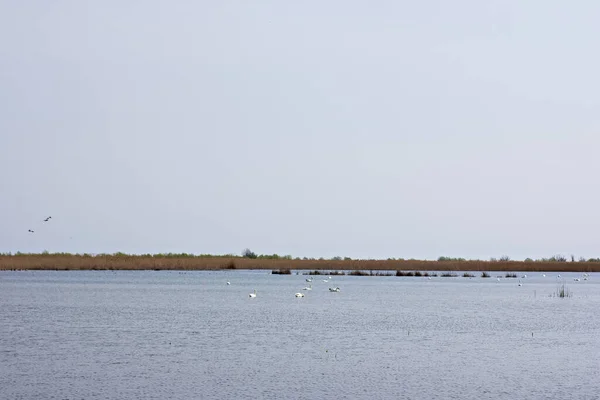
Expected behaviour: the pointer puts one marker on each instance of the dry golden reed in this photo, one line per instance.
(64, 261)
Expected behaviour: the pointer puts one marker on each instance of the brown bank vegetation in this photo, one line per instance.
(121, 261)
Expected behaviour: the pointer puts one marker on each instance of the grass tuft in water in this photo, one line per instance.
(563, 291)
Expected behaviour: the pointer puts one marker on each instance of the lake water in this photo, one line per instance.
(189, 335)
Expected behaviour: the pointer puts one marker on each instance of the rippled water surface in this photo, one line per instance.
(189, 335)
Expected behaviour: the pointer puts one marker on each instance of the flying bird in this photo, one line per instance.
(30, 231)
(47, 219)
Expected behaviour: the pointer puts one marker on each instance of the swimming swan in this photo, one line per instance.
(252, 294)
(299, 294)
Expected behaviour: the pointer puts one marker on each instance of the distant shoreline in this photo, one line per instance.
(63, 261)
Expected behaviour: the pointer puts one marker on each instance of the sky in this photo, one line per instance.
(367, 129)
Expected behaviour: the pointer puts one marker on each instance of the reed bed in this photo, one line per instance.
(562, 291)
(121, 261)
(415, 273)
(283, 271)
(370, 273)
(449, 275)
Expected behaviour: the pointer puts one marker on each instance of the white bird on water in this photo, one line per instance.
(252, 294)
(309, 287)
(299, 295)
(229, 283)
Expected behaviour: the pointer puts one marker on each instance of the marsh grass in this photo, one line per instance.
(358, 273)
(449, 275)
(185, 261)
(563, 291)
(485, 275)
(510, 275)
(370, 273)
(283, 271)
(468, 275)
(316, 272)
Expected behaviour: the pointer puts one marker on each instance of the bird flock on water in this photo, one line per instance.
(298, 294)
(337, 289)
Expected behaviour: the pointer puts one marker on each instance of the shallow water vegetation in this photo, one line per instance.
(485, 275)
(370, 273)
(282, 271)
(315, 272)
(563, 291)
(449, 275)
(510, 275)
(415, 273)
(358, 273)
(468, 275)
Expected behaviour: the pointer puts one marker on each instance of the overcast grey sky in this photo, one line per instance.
(368, 129)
